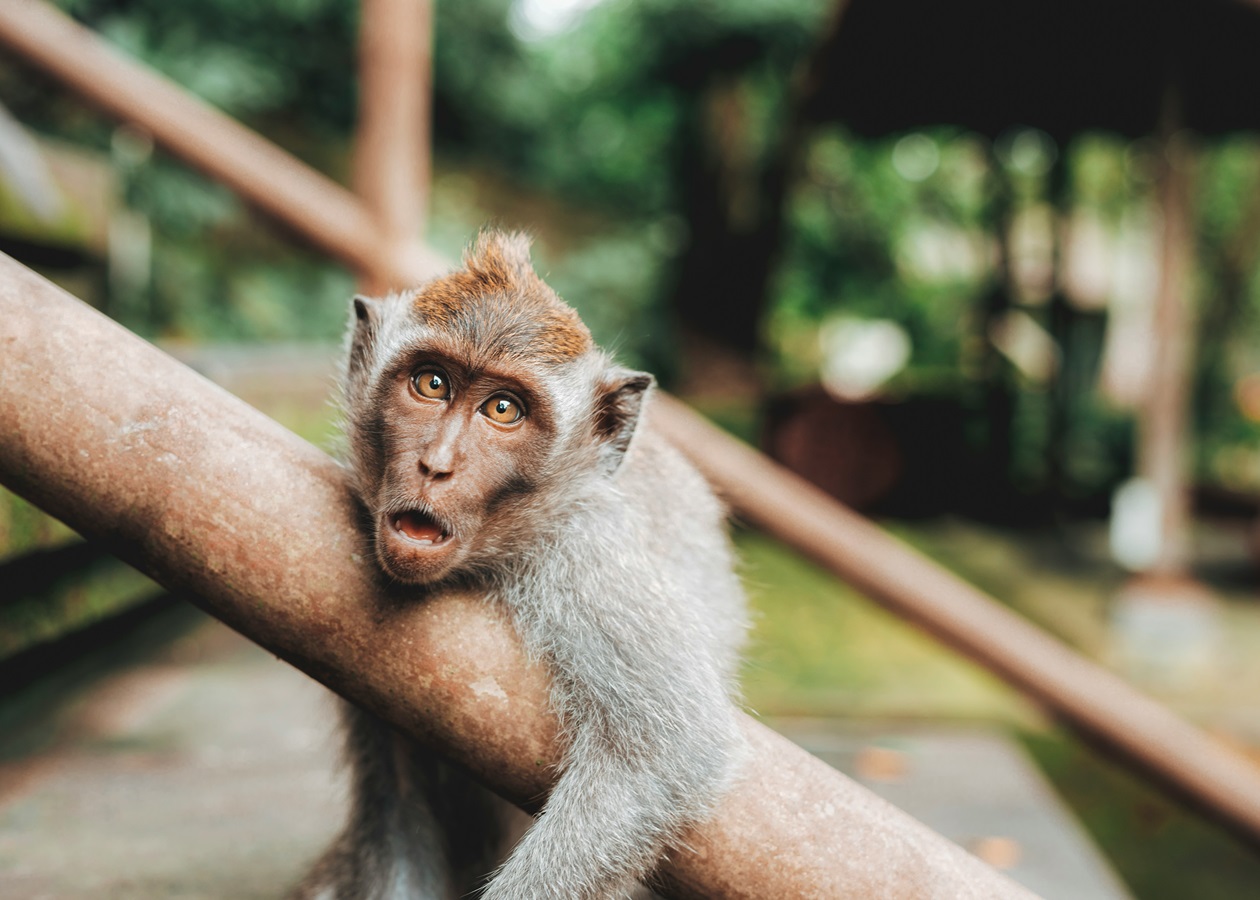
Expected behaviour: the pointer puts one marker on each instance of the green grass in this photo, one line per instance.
(24, 527)
(820, 648)
(1159, 848)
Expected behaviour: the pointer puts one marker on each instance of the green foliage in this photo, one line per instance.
(286, 68)
(594, 115)
(483, 91)
(183, 205)
(287, 59)
(855, 229)
(1111, 176)
(606, 115)
(595, 112)
(611, 281)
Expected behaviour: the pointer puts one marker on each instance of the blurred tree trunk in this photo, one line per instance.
(1163, 418)
(734, 226)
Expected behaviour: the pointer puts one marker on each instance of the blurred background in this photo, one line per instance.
(983, 270)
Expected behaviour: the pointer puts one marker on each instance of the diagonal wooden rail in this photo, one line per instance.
(1083, 693)
(213, 499)
(325, 213)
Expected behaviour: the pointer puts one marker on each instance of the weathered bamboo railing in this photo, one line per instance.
(213, 499)
(1076, 689)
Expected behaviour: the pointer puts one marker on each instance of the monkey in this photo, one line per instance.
(492, 444)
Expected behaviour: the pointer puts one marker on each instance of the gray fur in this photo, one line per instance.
(617, 573)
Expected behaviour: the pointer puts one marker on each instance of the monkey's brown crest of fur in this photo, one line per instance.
(498, 268)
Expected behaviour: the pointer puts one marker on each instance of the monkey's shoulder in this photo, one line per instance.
(657, 473)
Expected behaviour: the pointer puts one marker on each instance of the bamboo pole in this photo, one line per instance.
(214, 500)
(391, 157)
(1082, 692)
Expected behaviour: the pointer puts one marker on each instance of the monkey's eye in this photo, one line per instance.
(431, 383)
(503, 410)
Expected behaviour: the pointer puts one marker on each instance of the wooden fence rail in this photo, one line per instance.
(214, 500)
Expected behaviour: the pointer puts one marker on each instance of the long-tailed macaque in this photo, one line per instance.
(492, 444)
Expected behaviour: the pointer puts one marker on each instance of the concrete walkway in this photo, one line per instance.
(977, 788)
(205, 773)
(208, 772)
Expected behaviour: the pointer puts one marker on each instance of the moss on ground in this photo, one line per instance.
(1159, 848)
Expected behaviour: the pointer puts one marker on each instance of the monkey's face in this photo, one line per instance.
(461, 447)
(475, 405)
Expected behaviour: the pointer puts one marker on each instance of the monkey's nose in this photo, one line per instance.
(435, 471)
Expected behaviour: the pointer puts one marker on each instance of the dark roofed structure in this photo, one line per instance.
(1064, 67)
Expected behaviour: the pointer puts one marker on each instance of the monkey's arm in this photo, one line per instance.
(624, 795)
(639, 684)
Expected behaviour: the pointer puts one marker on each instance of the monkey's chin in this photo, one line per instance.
(416, 549)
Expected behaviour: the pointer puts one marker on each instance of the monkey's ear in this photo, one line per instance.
(367, 317)
(618, 404)
(366, 310)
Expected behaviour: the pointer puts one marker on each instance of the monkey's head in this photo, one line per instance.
(475, 406)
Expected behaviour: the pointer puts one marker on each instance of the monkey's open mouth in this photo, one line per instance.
(419, 527)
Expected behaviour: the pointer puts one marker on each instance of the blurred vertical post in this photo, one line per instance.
(392, 160)
(1163, 417)
(1166, 628)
